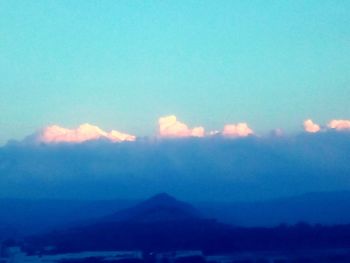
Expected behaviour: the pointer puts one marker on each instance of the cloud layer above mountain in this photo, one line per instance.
(209, 168)
(169, 127)
(237, 130)
(338, 125)
(310, 126)
(85, 132)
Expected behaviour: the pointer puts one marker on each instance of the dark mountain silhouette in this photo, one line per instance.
(159, 223)
(162, 223)
(23, 217)
(326, 208)
(159, 208)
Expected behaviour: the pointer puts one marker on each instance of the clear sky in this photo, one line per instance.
(123, 64)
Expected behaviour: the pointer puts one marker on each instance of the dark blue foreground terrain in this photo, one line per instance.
(164, 224)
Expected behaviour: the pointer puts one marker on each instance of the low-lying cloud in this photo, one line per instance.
(85, 132)
(212, 168)
(310, 126)
(169, 126)
(237, 130)
(339, 124)
(229, 164)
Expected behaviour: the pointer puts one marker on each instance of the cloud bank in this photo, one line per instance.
(339, 125)
(85, 132)
(88, 165)
(237, 130)
(169, 126)
(212, 168)
(310, 126)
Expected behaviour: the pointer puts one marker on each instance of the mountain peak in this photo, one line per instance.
(160, 207)
(162, 197)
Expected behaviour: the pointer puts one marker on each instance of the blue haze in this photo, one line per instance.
(194, 169)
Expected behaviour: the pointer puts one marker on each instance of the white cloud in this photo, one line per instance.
(339, 124)
(237, 130)
(214, 133)
(117, 136)
(310, 126)
(85, 132)
(169, 126)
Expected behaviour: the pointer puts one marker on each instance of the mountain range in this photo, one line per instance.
(21, 217)
(162, 223)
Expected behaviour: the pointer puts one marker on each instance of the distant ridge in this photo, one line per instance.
(159, 208)
(162, 223)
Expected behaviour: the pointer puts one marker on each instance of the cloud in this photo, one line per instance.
(85, 132)
(205, 169)
(237, 130)
(310, 126)
(119, 136)
(169, 126)
(339, 125)
(214, 133)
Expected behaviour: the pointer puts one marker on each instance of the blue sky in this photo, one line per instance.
(123, 64)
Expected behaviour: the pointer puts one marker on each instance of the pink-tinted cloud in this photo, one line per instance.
(117, 136)
(169, 126)
(339, 124)
(237, 130)
(85, 132)
(310, 126)
(197, 132)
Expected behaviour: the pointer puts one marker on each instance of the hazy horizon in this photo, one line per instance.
(212, 101)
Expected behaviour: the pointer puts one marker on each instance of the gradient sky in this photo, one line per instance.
(123, 64)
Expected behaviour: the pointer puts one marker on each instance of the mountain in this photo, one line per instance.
(327, 208)
(163, 223)
(159, 208)
(21, 217)
(159, 223)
